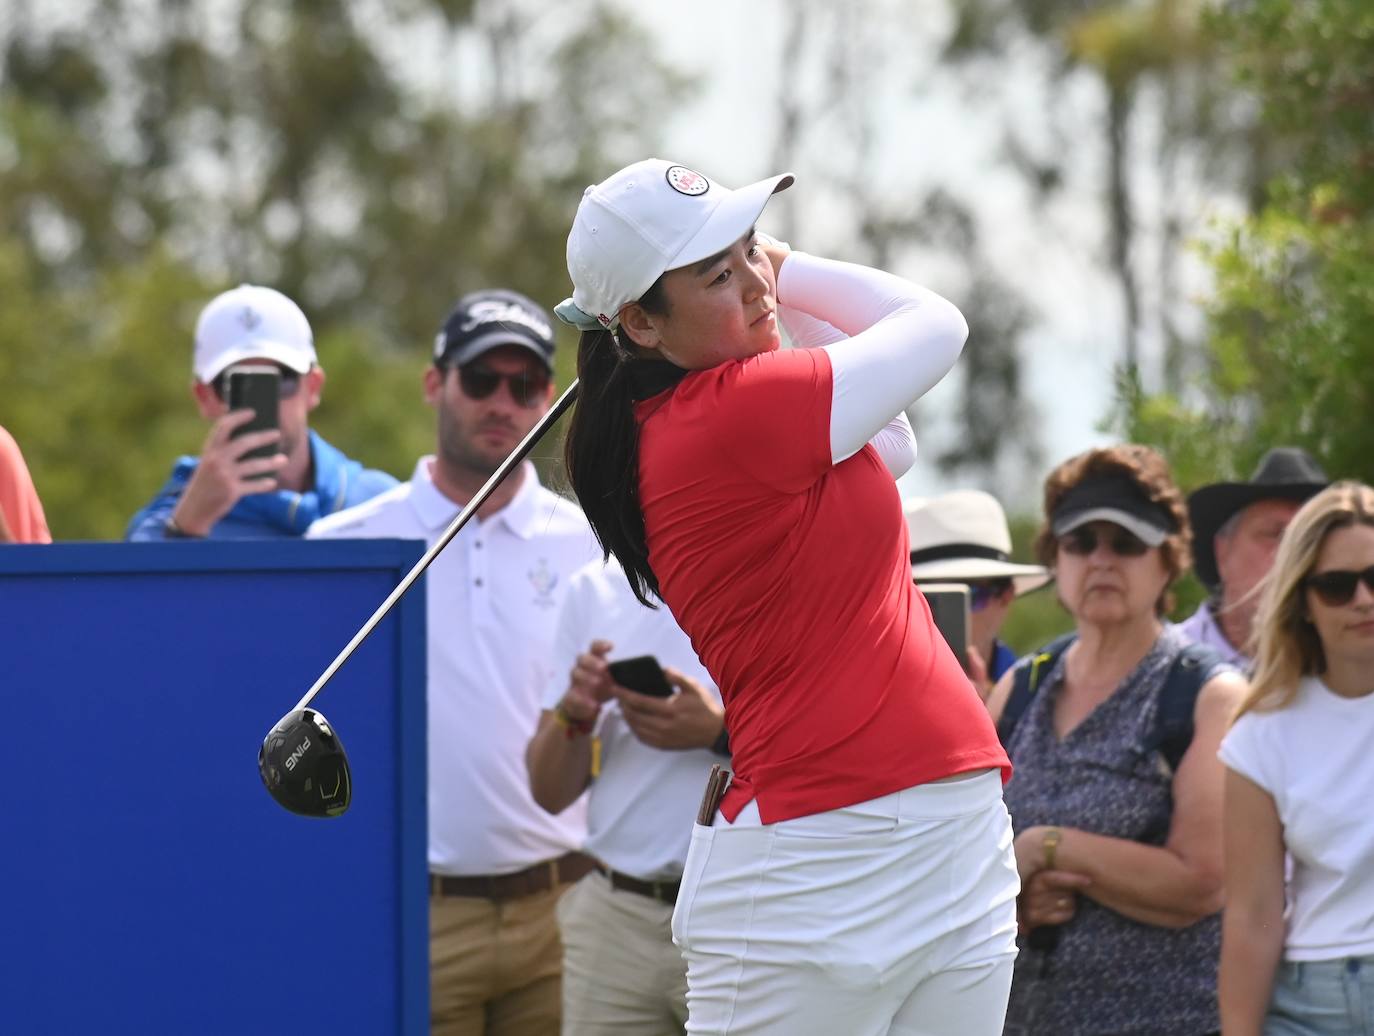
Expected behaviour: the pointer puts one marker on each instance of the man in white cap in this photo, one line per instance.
(962, 537)
(225, 494)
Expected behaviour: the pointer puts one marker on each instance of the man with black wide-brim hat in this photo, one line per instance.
(1236, 530)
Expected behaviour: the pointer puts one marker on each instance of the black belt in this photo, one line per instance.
(538, 878)
(663, 891)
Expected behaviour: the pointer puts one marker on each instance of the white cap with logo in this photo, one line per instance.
(649, 218)
(252, 323)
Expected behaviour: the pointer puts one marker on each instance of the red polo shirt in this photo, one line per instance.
(791, 576)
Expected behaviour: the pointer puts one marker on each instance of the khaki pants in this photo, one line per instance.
(494, 966)
(622, 975)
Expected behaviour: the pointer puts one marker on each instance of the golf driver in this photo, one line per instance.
(302, 760)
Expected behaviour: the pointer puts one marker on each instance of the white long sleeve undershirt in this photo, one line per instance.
(889, 342)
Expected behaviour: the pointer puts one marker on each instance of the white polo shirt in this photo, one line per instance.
(642, 804)
(493, 598)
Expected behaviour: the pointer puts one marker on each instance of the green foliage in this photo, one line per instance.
(1310, 63)
(1290, 358)
(372, 168)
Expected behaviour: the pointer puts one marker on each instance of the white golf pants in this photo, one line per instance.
(894, 916)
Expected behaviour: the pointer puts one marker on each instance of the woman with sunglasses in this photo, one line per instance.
(1119, 850)
(857, 875)
(1299, 769)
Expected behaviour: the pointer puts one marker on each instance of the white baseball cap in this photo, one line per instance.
(251, 323)
(649, 218)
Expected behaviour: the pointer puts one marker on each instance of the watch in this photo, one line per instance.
(176, 532)
(721, 745)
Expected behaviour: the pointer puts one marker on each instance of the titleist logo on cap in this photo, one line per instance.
(498, 312)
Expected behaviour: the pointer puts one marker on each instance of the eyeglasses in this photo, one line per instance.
(528, 388)
(980, 595)
(1337, 586)
(1084, 540)
(287, 385)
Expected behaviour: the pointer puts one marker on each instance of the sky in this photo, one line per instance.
(927, 130)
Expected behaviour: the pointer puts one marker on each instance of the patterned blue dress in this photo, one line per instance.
(1107, 973)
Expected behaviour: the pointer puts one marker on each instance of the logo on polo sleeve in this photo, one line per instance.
(684, 181)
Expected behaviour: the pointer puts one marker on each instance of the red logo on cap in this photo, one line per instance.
(603, 319)
(684, 181)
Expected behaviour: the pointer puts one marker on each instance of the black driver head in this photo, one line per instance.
(303, 764)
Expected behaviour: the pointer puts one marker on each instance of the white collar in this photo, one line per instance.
(435, 510)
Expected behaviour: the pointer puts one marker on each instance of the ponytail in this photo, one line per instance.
(601, 451)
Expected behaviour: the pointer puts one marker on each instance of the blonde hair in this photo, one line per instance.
(1284, 642)
(1150, 471)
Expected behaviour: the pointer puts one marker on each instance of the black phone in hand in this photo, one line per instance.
(642, 674)
(255, 387)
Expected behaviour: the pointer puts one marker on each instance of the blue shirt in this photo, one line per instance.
(1003, 658)
(339, 483)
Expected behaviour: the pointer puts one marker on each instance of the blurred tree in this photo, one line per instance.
(373, 160)
(1167, 116)
(832, 64)
(1290, 357)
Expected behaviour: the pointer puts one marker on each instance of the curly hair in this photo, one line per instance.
(1147, 469)
(1284, 642)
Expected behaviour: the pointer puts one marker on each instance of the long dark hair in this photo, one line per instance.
(601, 451)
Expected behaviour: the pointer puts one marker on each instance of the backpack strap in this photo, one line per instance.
(1025, 678)
(1173, 731)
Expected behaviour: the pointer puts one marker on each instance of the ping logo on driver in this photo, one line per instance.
(295, 756)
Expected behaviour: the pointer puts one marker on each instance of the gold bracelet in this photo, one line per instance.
(1050, 844)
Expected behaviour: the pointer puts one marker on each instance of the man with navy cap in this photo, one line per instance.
(498, 862)
(1236, 531)
(225, 494)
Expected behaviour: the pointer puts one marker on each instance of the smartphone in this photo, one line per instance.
(949, 607)
(255, 387)
(642, 674)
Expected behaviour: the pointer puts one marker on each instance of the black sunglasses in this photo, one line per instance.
(528, 388)
(1084, 541)
(1337, 586)
(287, 385)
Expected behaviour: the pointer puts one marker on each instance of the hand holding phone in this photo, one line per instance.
(241, 454)
(642, 674)
(671, 712)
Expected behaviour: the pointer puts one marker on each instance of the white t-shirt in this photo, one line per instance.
(1316, 759)
(641, 806)
(493, 596)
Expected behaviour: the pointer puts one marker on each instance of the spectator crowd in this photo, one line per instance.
(1188, 800)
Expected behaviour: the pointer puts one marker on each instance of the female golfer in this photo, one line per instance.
(858, 877)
